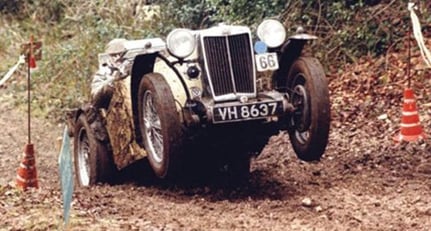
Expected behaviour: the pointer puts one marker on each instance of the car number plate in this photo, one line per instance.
(266, 61)
(246, 111)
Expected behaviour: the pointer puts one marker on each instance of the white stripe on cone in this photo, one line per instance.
(26, 167)
(410, 125)
(18, 177)
(409, 113)
(409, 101)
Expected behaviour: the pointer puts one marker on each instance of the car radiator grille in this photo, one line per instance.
(230, 67)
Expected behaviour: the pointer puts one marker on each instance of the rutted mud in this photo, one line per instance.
(365, 180)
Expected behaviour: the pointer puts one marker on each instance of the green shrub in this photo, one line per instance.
(74, 32)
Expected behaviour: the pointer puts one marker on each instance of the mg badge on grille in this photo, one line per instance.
(243, 99)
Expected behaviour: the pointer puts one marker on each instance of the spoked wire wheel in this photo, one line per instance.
(83, 158)
(93, 160)
(160, 125)
(152, 128)
(300, 119)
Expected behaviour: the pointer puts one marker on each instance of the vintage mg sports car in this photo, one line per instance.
(209, 97)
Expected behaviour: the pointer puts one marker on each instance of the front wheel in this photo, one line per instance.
(159, 125)
(309, 123)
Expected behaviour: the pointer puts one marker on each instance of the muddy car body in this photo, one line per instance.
(214, 94)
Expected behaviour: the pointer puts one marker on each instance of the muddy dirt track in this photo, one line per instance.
(364, 182)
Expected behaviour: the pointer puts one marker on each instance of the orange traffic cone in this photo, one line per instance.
(411, 130)
(26, 174)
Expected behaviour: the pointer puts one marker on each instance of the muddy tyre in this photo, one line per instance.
(309, 124)
(160, 125)
(93, 161)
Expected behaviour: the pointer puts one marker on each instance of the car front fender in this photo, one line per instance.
(289, 52)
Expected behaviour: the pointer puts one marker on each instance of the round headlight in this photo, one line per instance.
(271, 32)
(181, 43)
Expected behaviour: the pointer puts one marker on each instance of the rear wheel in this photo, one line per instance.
(309, 123)
(159, 125)
(93, 160)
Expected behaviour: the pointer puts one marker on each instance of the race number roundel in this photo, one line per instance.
(260, 47)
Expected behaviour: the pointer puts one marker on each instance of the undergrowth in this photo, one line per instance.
(72, 38)
(74, 32)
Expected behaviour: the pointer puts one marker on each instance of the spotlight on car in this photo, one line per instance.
(181, 43)
(272, 32)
